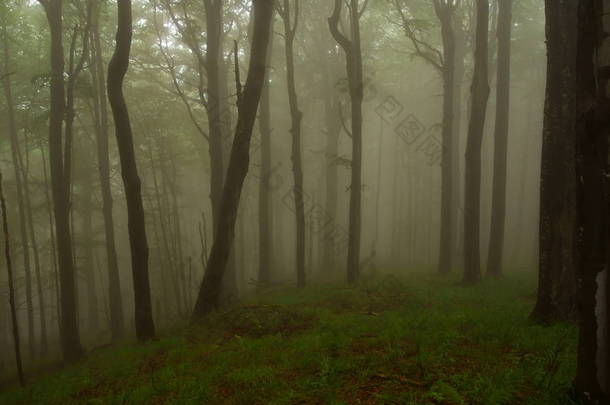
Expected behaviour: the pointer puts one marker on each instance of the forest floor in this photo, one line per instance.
(414, 340)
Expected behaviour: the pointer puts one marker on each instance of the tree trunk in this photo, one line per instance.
(296, 116)
(213, 12)
(445, 13)
(558, 215)
(53, 246)
(6, 81)
(60, 186)
(457, 204)
(88, 240)
(498, 208)
(11, 286)
(209, 293)
(592, 381)
(265, 202)
(332, 124)
(353, 58)
(35, 252)
(472, 193)
(103, 157)
(145, 328)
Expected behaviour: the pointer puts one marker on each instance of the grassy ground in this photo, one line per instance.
(415, 340)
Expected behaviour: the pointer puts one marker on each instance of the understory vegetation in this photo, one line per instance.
(420, 339)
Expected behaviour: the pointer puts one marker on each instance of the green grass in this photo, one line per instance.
(416, 340)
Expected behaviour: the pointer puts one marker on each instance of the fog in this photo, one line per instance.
(341, 142)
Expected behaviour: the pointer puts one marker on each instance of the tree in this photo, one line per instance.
(209, 292)
(11, 285)
(445, 12)
(592, 381)
(445, 64)
(472, 193)
(265, 203)
(115, 299)
(353, 59)
(60, 187)
(145, 328)
(290, 27)
(498, 210)
(16, 154)
(558, 210)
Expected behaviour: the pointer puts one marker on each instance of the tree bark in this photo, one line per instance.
(296, 116)
(353, 59)
(498, 207)
(103, 158)
(265, 202)
(592, 381)
(209, 293)
(35, 251)
(445, 11)
(472, 193)
(558, 211)
(60, 186)
(11, 286)
(15, 153)
(213, 12)
(145, 328)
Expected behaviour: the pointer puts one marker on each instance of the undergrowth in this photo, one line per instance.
(414, 340)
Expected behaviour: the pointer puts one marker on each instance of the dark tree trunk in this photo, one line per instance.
(103, 157)
(457, 204)
(353, 58)
(498, 208)
(476, 126)
(54, 264)
(592, 381)
(88, 240)
(11, 286)
(60, 186)
(290, 27)
(15, 153)
(332, 125)
(215, 110)
(445, 11)
(145, 328)
(558, 216)
(35, 252)
(209, 293)
(265, 202)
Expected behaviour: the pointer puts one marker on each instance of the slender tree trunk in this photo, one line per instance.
(558, 210)
(35, 253)
(445, 13)
(53, 245)
(265, 201)
(333, 128)
(168, 263)
(498, 209)
(353, 57)
(11, 286)
(472, 194)
(88, 240)
(457, 205)
(145, 328)
(6, 81)
(290, 27)
(103, 157)
(213, 11)
(60, 185)
(209, 293)
(592, 381)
